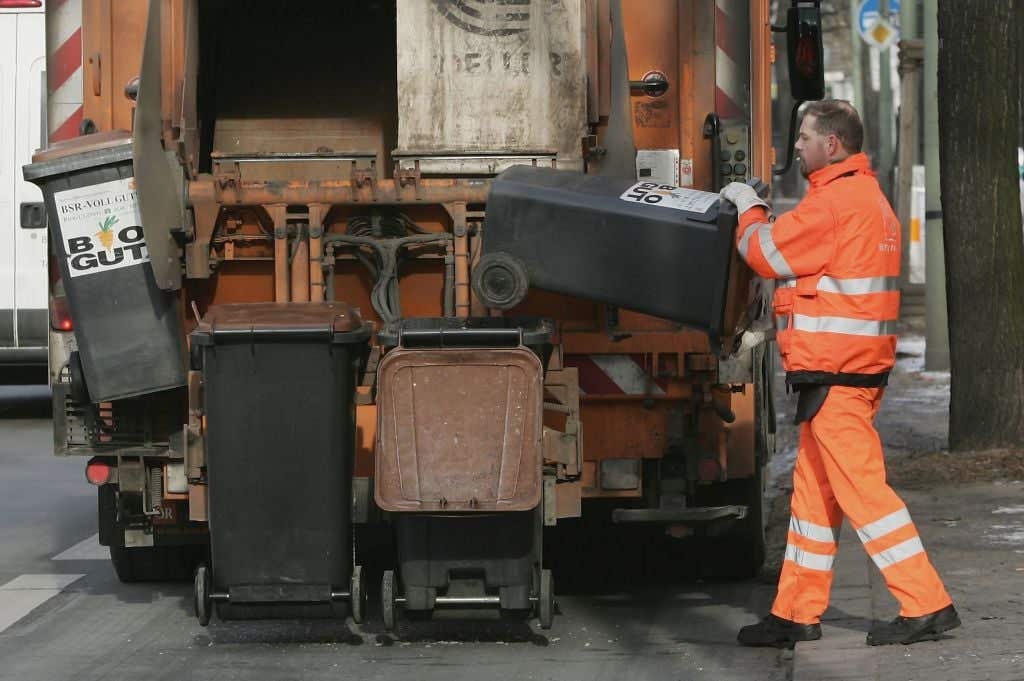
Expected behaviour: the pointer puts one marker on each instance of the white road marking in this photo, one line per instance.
(87, 549)
(23, 594)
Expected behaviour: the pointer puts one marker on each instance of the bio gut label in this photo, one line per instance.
(101, 227)
(668, 196)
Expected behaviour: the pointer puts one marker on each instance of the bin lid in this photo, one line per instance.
(79, 153)
(335, 321)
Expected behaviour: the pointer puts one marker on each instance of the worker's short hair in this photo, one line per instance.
(838, 117)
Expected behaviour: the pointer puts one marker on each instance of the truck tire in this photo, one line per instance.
(156, 563)
(146, 564)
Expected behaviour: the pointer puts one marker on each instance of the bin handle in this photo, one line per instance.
(450, 337)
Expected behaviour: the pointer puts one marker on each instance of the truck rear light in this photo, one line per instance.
(60, 315)
(20, 4)
(98, 472)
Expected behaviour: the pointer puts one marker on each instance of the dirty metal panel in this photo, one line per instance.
(450, 164)
(489, 77)
(459, 430)
(620, 474)
(284, 167)
(159, 180)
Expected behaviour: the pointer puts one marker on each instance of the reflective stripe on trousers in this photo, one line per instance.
(820, 537)
(885, 527)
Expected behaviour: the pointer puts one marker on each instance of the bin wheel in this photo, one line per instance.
(357, 592)
(546, 600)
(500, 280)
(201, 595)
(387, 599)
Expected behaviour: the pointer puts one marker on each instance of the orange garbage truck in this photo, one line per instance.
(448, 277)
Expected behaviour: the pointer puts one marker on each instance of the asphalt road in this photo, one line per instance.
(70, 618)
(64, 615)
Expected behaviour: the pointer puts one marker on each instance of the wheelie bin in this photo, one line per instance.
(127, 328)
(459, 464)
(279, 383)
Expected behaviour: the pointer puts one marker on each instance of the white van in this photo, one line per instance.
(24, 316)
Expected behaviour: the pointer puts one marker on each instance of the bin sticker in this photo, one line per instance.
(101, 227)
(667, 196)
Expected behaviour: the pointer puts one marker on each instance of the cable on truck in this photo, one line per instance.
(381, 242)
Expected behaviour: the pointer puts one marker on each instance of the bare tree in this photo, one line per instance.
(979, 115)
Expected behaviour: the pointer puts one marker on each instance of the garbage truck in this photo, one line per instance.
(446, 276)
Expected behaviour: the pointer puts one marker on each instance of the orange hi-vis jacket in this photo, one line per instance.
(837, 255)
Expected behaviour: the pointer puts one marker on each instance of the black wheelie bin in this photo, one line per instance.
(279, 383)
(128, 330)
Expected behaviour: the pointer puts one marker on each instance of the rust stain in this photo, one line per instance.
(654, 114)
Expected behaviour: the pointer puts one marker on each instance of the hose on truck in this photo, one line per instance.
(381, 242)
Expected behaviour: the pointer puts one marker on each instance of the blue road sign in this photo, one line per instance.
(867, 14)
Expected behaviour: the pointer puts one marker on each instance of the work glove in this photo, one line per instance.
(743, 196)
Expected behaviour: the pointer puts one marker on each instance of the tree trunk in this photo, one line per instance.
(979, 111)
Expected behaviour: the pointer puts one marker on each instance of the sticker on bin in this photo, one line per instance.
(101, 227)
(667, 196)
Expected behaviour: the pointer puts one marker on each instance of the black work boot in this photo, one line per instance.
(907, 630)
(776, 632)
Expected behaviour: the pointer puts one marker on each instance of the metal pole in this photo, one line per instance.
(885, 112)
(911, 56)
(908, 20)
(856, 43)
(936, 357)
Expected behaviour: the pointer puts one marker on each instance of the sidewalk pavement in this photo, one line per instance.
(841, 652)
(974, 535)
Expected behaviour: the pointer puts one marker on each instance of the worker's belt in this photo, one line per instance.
(795, 378)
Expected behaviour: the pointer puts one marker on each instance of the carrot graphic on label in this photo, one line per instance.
(106, 233)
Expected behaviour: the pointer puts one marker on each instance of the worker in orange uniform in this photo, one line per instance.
(837, 259)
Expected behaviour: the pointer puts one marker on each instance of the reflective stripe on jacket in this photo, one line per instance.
(838, 256)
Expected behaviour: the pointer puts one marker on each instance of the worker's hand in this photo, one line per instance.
(743, 195)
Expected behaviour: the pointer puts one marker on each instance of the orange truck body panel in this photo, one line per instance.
(675, 37)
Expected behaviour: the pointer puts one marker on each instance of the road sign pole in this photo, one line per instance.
(855, 41)
(885, 117)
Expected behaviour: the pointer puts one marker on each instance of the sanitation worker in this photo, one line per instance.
(836, 257)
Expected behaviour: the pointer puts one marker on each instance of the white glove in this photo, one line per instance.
(743, 195)
(751, 339)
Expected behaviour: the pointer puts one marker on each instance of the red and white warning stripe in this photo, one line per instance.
(732, 58)
(616, 375)
(64, 67)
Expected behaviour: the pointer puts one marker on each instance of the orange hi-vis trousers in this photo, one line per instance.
(840, 471)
